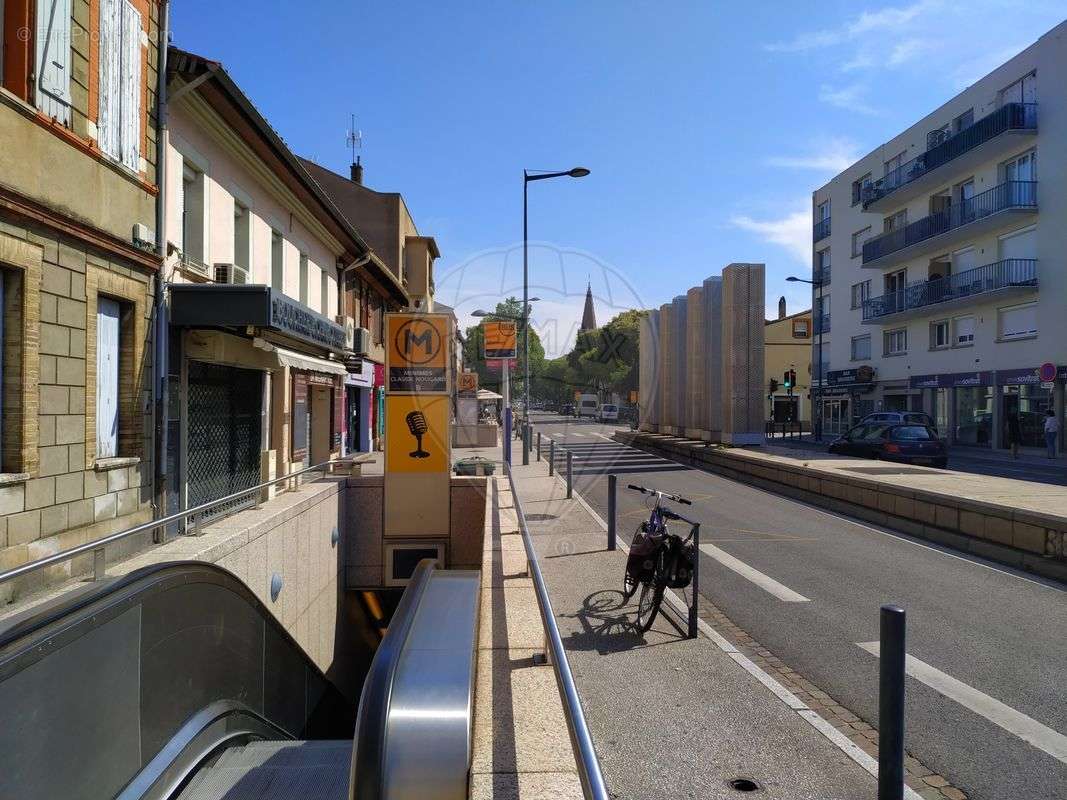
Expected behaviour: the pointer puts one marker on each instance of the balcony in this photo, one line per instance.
(821, 230)
(973, 144)
(963, 220)
(821, 324)
(821, 277)
(1010, 276)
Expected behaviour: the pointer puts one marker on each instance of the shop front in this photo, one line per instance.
(359, 418)
(846, 398)
(1026, 397)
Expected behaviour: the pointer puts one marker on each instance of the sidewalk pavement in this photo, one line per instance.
(672, 717)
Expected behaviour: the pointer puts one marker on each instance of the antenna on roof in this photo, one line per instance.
(354, 140)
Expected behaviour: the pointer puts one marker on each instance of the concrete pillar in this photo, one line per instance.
(742, 352)
(712, 347)
(679, 364)
(697, 386)
(648, 393)
(666, 397)
(996, 436)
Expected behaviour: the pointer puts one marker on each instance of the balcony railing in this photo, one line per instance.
(1008, 195)
(1012, 116)
(822, 229)
(821, 277)
(1011, 272)
(822, 324)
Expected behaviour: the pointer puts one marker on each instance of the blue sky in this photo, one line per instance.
(706, 125)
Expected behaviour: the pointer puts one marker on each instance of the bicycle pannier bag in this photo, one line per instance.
(680, 566)
(642, 559)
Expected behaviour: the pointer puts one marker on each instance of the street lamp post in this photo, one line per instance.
(527, 176)
(816, 395)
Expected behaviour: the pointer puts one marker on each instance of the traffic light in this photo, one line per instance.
(787, 379)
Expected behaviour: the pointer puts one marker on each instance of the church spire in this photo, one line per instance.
(588, 315)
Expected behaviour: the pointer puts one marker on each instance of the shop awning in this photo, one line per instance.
(295, 360)
(485, 394)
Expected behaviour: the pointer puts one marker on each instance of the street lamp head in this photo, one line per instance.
(533, 299)
(480, 313)
(578, 172)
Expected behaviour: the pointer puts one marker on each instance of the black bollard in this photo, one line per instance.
(891, 704)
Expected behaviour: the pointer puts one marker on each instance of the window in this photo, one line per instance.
(858, 186)
(801, 328)
(52, 67)
(964, 120)
(894, 163)
(858, 238)
(823, 211)
(11, 358)
(964, 331)
(895, 221)
(895, 342)
(304, 278)
(861, 347)
(1018, 244)
(107, 377)
(119, 126)
(941, 202)
(242, 238)
(963, 260)
(939, 335)
(860, 292)
(1023, 90)
(324, 293)
(193, 210)
(822, 266)
(1018, 321)
(277, 261)
(1021, 168)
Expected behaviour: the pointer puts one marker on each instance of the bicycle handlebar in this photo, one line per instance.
(658, 493)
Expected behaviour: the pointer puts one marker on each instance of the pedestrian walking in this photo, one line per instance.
(1052, 432)
(1015, 433)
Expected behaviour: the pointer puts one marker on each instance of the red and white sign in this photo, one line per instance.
(497, 364)
(1047, 372)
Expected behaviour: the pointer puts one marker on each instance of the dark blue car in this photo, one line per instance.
(909, 444)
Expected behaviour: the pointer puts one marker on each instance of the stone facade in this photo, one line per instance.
(649, 371)
(742, 351)
(696, 398)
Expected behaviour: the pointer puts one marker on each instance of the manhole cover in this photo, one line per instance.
(744, 785)
(892, 471)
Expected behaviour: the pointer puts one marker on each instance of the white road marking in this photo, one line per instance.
(765, 582)
(605, 438)
(575, 433)
(1026, 728)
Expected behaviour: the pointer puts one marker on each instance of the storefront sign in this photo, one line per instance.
(950, 380)
(364, 378)
(418, 349)
(354, 364)
(499, 339)
(844, 377)
(1022, 377)
(294, 319)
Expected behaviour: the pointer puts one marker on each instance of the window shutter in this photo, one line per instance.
(109, 123)
(130, 137)
(53, 58)
(107, 377)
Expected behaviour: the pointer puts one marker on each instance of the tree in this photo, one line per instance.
(606, 358)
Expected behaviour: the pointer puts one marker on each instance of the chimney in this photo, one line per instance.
(357, 172)
(781, 308)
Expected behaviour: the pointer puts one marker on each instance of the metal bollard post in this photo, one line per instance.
(696, 583)
(570, 473)
(551, 457)
(539, 445)
(891, 703)
(507, 435)
(526, 444)
(612, 485)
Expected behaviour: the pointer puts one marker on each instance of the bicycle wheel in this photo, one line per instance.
(629, 585)
(648, 603)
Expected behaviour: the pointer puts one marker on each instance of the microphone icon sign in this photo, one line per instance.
(416, 421)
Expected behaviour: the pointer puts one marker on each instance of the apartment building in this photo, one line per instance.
(397, 249)
(948, 287)
(260, 340)
(78, 271)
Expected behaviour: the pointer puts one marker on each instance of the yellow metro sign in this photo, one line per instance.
(499, 339)
(416, 433)
(417, 353)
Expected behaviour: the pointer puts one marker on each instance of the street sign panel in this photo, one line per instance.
(416, 433)
(417, 353)
(497, 364)
(468, 382)
(499, 339)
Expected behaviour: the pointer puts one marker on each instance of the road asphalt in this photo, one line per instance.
(993, 641)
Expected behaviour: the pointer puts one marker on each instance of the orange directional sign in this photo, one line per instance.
(468, 382)
(417, 355)
(499, 339)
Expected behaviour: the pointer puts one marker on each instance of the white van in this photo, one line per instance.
(609, 412)
(588, 405)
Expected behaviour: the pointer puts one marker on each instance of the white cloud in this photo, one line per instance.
(906, 51)
(791, 232)
(883, 20)
(862, 60)
(830, 156)
(848, 97)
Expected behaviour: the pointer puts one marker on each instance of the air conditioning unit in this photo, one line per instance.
(361, 342)
(230, 273)
(349, 325)
(195, 267)
(144, 237)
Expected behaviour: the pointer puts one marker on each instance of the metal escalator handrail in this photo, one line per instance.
(372, 719)
(585, 753)
(99, 544)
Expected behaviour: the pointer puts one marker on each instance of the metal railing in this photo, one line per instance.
(1010, 272)
(821, 229)
(1012, 116)
(821, 324)
(821, 277)
(1005, 196)
(585, 753)
(98, 546)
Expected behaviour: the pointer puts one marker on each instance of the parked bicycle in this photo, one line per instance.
(658, 559)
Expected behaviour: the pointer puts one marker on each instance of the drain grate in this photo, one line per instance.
(744, 785)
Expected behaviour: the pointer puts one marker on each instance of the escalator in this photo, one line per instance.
(175, 682)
